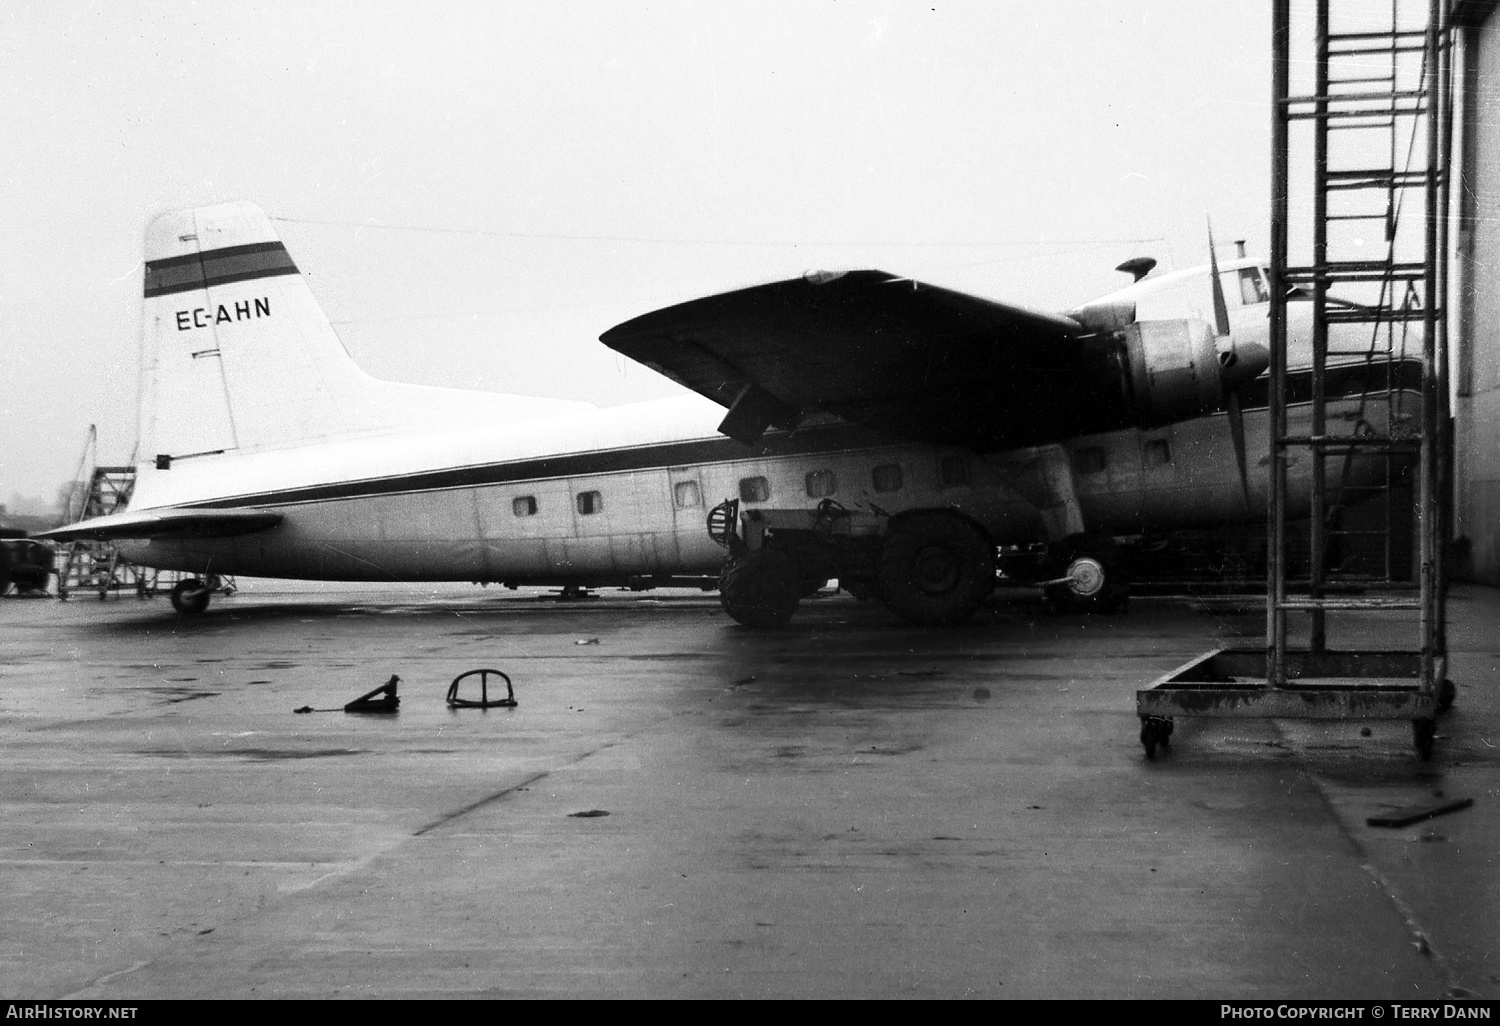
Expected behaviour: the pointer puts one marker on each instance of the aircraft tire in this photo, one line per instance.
(935, 568)
(190, 597)
(1093, 561)
(760, 590)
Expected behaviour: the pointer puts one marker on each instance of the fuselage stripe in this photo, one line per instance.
(1342, 382)
(651, 457)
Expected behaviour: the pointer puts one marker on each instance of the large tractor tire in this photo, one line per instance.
(936, 568)
(760, 590)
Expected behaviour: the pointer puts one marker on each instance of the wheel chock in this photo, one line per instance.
(484, 701)
(370, 703)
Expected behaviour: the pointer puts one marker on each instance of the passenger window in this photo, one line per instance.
(590, 503)
(1088, 461)
(887, 477)
(1158, 452)
(953, 470)
(524, 505)
(685, 494)
(820, 483)
(754, 489)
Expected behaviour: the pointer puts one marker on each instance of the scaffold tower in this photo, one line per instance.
(1361, 128)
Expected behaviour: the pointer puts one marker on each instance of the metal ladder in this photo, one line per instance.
(1371, 260)
(96, 565)
(1363, 134)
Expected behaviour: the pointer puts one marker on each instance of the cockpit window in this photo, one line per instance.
(1253, 287)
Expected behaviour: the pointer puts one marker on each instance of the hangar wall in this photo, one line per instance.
(1476, 336)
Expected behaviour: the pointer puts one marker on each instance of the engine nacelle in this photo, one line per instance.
(1175, 370)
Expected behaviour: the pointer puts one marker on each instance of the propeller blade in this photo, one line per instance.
(1233, 374)
(1237, 435)
(1221, 308)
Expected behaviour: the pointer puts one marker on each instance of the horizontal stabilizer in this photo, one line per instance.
(198, 523)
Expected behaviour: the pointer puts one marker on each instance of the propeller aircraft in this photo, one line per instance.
(879, 430)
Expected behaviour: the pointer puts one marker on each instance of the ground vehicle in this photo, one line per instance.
(24, 562)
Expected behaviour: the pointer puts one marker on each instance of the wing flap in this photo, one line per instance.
(168, 521)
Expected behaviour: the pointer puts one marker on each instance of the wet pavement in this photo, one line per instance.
(679, 807)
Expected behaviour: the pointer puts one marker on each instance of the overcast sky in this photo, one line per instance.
(476, 191)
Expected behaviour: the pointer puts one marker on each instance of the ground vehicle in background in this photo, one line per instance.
(24, 562)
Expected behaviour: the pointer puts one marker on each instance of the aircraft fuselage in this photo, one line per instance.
(561, 506)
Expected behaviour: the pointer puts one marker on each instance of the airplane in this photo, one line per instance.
(879, 430)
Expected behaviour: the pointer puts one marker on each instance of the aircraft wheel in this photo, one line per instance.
(936, 569)
(760, 590)
(190, 597)
(1095, 581)
(4, 579)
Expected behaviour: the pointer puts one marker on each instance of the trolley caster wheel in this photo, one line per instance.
(1446, 694)
(1155, 732)
(1423, 733)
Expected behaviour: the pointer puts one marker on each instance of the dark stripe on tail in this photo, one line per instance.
(217, 267)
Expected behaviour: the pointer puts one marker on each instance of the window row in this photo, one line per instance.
(953, 470)
(587, 503)
(684, 493)
(1156, 453)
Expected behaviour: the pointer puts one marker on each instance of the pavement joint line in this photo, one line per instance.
(110, 978)
(1422, 937)
(481, 803)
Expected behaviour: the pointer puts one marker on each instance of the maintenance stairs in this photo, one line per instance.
(1360, 152)
(97, 566)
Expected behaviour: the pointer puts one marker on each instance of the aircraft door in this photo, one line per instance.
(695, 550)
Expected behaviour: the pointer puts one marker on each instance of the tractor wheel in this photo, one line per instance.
(935, 568)
(760, 590)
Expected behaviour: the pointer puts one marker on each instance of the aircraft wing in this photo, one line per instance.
(168, 521)
(914, 360)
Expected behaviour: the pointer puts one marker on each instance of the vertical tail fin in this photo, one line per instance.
(238, 357)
